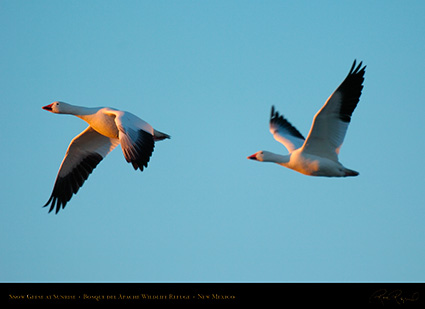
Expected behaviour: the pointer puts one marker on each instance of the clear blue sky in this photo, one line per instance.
(207, 73)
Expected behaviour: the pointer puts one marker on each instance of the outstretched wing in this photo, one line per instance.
(331, 122)
(284, 132)
(84, 153)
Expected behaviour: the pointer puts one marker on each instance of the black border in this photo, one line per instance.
(274, 295)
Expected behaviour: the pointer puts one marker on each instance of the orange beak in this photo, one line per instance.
(48, 107)
(253, 157)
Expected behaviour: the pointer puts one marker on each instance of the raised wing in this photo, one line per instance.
(84, 153)
(331, 121)
(284, 132)
(136, 137)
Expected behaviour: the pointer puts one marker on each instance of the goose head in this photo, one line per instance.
(260, 156)
(58, 107)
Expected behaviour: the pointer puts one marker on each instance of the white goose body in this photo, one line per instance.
(306, 164)
(107, 129)
(318, 154)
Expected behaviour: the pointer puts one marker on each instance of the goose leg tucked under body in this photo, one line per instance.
(107, 129)
(318, 154)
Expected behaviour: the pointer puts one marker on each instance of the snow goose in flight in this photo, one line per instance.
(107, 129)
(318, 154)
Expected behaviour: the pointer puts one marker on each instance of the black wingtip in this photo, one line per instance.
(68, 185)
(353, 66)
(351, 90)
(140, 153)
(55, 203)
(48, 202)
(278, 119)
(357, 69)
(275, 115)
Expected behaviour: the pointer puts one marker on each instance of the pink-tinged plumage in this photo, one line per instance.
(107, 129)
(317, 155)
